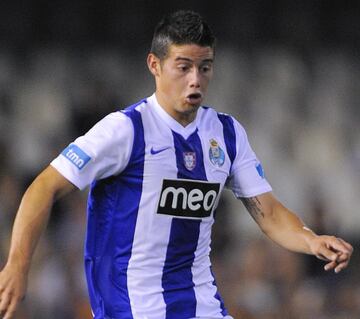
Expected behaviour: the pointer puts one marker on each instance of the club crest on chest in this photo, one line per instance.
(189, 160)
(216, 154)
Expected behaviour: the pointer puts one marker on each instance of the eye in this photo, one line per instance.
(183, 67)
(206, 68)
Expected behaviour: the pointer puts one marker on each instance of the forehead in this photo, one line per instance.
(192, 52)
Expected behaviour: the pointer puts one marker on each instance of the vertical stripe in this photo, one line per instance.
(218, 297)
(230, 142)
(229, 135)
(151, 232)
(130, 189)
(112, 210)
(177, 280)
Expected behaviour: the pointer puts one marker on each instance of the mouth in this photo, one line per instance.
(194, 98)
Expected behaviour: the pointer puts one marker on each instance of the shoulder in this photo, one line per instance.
(113, 129)
(228, 121)
(134, 108)
(209, 111)
(112, 123)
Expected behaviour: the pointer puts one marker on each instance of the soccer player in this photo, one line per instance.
(156, 171)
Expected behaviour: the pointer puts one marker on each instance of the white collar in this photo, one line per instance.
(170, 121)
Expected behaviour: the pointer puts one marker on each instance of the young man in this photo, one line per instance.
(156, 172)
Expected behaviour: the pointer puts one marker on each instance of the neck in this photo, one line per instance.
(184, 118)
(179, 114)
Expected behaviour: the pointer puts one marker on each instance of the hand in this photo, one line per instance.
(332, 249)
(12, 290)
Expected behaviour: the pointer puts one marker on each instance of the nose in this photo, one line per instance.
(194, 78)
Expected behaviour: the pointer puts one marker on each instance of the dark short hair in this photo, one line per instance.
(181, 27)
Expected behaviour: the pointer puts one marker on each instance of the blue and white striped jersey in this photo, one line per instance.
(154, 188)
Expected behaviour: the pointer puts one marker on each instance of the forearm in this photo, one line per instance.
(285, 228)
(33, 215)
(288, 230)
(279, 223)
(31, 219)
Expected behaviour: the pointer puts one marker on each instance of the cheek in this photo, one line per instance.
(172, 79)
(177, 83)
(205, 83)
(167, 82)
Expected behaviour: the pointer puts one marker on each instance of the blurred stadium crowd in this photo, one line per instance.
(299, 107)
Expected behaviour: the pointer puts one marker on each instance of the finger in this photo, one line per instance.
(11, 309)
(326, 254)
(343, 257)
(338, 245)
(320, 256)
(341, 266)
(337, 267)
(4, 303)
(330, 265)
(347, 245)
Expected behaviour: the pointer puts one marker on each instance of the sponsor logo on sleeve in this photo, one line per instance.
(188, 198)
(76, 156)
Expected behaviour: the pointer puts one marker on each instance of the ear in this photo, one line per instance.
(153, 63)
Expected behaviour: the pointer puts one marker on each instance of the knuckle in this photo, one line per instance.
(9, 315)
(10, 312)
(4, 303)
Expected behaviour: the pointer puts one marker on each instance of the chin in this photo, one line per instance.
(190, 108)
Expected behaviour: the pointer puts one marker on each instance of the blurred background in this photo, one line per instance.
(289, 72)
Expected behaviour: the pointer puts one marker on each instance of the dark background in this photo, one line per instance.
(288, 70)
(129, 24)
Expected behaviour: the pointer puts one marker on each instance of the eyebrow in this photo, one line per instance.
(189, 60)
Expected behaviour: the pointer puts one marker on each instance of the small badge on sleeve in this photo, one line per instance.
(260, 170)
(76, 156)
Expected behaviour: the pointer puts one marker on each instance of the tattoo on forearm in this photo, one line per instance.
(253, 206)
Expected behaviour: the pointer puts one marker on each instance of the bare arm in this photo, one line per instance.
(287, 230)
(30, 221)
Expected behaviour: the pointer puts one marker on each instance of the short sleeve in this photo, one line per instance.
(102, 152)
(247, 176)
